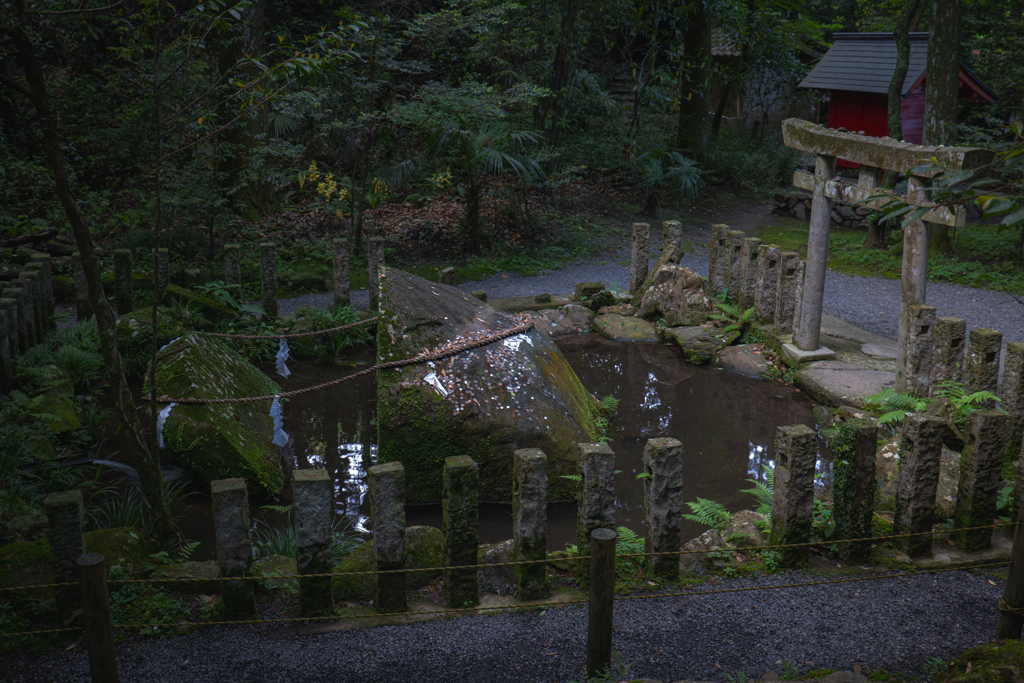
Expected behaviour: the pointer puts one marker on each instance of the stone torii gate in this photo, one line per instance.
(875, 156)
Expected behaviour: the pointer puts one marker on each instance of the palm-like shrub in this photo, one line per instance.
(491, 150)
(660, 172)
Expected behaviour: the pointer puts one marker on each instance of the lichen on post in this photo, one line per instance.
(796, 450)
(733, 282)
(785, 298)
(982, 367)
(915, 374)
(768, 258)
(1012, 393)
(387, 511)
(595, 507)
(268, 278)
(853, 447)
(234, 547)
(980, 468)
(920, 450)
(748, 272)
(663, 504)
(459, 522)
(949, 341)
(718, 260)
(639, 256)
(530, 522)
(671, 234)
(312, 491)
(65, 514)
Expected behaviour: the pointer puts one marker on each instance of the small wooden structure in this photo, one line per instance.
(855, 73)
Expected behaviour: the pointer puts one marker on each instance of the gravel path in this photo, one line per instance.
(895, 624)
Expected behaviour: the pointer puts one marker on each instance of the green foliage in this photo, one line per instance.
(1005, 504)
(709, 513)
(752, 161)
(965, 403)
(763, 492)
(110, 508)
(221, 293)
(735, 320)
(894, 405)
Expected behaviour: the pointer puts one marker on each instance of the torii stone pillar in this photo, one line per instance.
(913, 277)
(808, 331)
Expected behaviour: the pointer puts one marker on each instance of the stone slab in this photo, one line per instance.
(835, 327)
(518, 304)
(837, 383)
(879, 351)
(793, 355)
(625, 328)
(746, 360)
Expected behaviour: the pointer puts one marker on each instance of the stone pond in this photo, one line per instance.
(725, 421)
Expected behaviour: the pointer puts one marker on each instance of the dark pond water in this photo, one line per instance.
(725, 422)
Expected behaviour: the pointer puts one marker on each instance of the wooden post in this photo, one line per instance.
(601, 602)
(1010, 624)
(96, 618)
(809, 329)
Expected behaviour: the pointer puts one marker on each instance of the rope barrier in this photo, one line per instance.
(1016, 611)
(415, 360)
(874, 539)
(297, 335)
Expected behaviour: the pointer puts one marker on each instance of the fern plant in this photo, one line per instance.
(964, 403)
(763, 492)
(894, 405)
(709, 513)
(735, 320)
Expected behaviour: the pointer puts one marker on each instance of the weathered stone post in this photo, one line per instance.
(595, 508)
(375, 252)
(29, 310)
(16, 332)
(312, 523)
(161, 271)
(663, 504)
(387, 512)
(853, 487)
(919, 479)
(796, 450)
(1012, 393)
(268, 278)
(801, 271)
(46, 270)
(83, 310)
(341, 280)
(785, 298)
(6, 357)
(817, 257)
(234, 547)
(948, 354)
(914, 272)
(123, 296)
(718, 260)
(233, 267)
(530, 522)
(459, 506)
(914, 375)
(982, 367)
(734, 281)
(748, 272)
(65, 515)
(768, 258)
(671, 234)
(639, 256)
(446, 276)
(980, 469)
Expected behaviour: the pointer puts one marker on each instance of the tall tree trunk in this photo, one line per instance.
(242, 41)
(695, 89)
(942, 92)
(142, 458)
(906, 22)
(560, 70)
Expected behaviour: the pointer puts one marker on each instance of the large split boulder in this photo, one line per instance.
(677, 296)
(219, 440)
(486, 402)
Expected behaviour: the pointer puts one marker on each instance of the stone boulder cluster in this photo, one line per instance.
(798, 205)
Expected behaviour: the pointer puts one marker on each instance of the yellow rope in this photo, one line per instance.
(1004, 607)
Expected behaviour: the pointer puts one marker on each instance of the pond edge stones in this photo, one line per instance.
(234, 547)
(663, 504)
(796, 451)
(387, 512)
(460, 522)
(595, 508)
(312, 491)
(530, 522)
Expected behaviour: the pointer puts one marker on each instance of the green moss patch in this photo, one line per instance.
(996, 662)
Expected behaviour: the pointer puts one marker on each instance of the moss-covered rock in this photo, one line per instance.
(63, 288)
(274, 566)
(699, 344)
(173, 294)
(998, 662)
(58, 413)
(28, 562)
(422, 550)
(208, 572)
(485, 402)
(626, 328)
(225, 440)
(135, 330)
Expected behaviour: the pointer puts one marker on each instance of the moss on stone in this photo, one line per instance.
(58, 413)
(28, 562)
(210, 308)
(135, 330)
(219, 441)
(274, 566)
(423, 547)
(996, 662)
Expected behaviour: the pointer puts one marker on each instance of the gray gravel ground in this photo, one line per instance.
(895, 624)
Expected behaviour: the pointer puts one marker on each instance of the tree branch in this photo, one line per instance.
(65, 12)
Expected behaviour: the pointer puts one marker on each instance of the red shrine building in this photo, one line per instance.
(854, 76)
